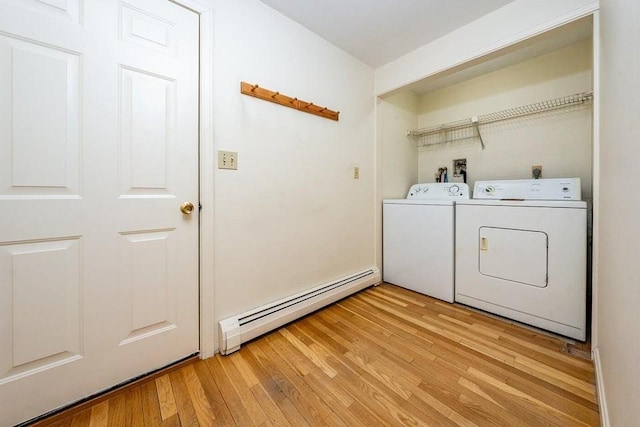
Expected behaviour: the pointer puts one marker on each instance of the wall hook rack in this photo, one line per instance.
(287, 101)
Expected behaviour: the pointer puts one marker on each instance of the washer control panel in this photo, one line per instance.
(439, 191)
(529, 189)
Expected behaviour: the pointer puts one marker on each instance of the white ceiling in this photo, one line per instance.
(379, 31)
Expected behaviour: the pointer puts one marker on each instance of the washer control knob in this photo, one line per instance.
(489, 189)
(454, 189)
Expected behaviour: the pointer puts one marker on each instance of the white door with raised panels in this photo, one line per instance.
(98, 151)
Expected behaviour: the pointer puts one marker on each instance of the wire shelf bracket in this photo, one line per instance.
(470, 128)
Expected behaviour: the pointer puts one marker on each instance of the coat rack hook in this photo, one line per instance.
(288, 101)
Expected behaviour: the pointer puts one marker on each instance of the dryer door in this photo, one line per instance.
(519, 256)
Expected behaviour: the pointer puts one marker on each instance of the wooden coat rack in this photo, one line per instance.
(284, 100)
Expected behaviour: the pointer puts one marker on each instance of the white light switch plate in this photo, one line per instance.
(227, 160)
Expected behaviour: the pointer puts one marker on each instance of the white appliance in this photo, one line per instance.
(529, 189)
(525, 259)
(418, 238)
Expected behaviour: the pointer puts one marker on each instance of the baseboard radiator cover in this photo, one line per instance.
(239, 329)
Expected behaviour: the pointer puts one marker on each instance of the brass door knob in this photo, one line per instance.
(186, 208)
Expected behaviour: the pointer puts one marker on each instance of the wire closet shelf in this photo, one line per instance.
(470, 128)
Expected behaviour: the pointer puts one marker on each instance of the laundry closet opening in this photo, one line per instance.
(555, 143)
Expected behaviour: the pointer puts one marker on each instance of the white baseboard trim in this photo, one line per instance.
(602, 399)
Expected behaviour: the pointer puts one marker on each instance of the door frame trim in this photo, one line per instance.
(208, 330)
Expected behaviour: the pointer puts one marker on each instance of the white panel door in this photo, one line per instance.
(98, 150)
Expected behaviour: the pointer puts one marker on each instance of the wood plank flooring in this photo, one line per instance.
(385, 356)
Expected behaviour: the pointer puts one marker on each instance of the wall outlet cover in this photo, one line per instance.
(536, 171)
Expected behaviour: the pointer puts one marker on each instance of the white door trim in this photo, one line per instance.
(207, 319)
(595, 208)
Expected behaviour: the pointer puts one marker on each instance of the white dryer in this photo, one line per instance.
(418, 238)
(521, 252)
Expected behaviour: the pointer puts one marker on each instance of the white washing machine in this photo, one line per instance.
(525, 259)
(418, 238)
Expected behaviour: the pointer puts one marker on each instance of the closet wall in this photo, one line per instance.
(398, 155)
(559, 140)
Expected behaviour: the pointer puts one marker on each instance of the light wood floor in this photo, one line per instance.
(385, 356)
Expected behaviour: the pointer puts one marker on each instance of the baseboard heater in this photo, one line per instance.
(244, 327)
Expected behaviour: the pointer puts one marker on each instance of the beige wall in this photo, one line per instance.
(292, 216)
(397, 155)
(560, 141)
(618, 299)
